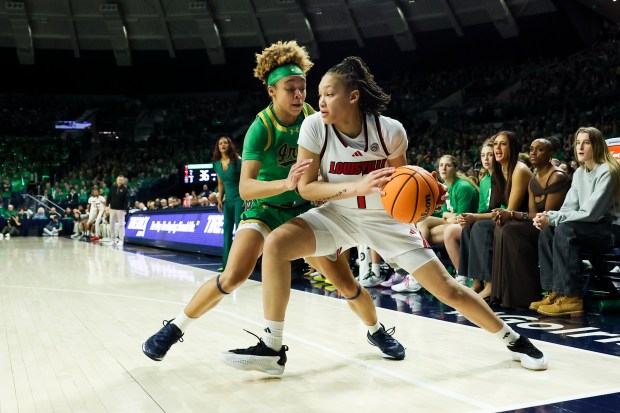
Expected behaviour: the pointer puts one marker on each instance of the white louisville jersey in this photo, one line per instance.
(345, 159)
(97, 202)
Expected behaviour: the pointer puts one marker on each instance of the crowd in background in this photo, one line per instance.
(542, 99)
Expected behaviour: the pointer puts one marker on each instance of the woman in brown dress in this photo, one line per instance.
(515, 276)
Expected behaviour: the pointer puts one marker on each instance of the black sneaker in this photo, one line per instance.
(530, 357)
(258, 357)
(159, 343)
(389, 346)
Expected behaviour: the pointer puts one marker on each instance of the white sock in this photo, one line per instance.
(507, 335)
(272, 335)
(376, 268)
(183, 321)
(373, 329)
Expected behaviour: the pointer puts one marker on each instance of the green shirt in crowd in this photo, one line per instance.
(230, 178)
(485, 194)
(462, 197)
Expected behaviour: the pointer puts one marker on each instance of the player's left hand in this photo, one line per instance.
(373, 182)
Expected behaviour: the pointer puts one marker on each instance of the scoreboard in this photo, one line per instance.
(200, 173)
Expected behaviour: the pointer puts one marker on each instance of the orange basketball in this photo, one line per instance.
(411, 195)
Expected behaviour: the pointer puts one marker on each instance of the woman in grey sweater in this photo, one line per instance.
(592, 206)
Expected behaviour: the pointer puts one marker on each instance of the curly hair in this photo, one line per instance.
(279, 54)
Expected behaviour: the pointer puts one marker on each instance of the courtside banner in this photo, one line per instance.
(196, 230)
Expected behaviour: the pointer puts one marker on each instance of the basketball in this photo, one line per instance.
(412, 194)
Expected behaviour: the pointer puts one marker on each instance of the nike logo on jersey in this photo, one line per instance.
(356, 168)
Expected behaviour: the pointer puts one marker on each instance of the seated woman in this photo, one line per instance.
(516, 281)
(452, 232)
(592, 206)
(462, 198)
(509, 184)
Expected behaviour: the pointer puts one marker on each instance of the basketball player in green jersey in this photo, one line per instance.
(269, 177)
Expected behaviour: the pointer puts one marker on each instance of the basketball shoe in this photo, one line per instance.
(408, 285)
(258, 357)
(530, 357)
(371, 279)
(389, 346)
(394, 279)
(159, 343)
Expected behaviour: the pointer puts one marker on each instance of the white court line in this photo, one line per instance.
(360, 362)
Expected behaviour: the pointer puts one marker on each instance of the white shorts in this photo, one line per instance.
(337, 229)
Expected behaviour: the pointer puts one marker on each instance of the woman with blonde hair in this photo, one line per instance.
(462, 198)
(591, 207)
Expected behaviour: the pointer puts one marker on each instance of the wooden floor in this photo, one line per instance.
(73, 316)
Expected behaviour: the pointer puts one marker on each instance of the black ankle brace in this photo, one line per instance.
(357, 294)
(219, 286)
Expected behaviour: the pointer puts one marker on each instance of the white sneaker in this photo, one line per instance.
(463, 280)
(408, 285)
(394, 279)
(1, 236)
(370, 280)
(7, 236)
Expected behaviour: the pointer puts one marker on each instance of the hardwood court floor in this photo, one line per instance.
(74, 315)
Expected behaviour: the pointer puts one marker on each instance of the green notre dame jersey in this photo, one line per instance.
(275, 146)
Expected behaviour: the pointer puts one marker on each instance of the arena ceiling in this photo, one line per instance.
(123, 26)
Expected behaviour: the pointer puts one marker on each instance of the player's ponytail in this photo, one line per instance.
(356, 75)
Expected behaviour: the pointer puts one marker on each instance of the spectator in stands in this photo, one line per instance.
(54, 228)
(462, 198)
(516, 281)
(509, 183)
(205, 188)
(53, 212)
(40, 214)
(118, 200)
(12, 223)
(163, 203)
(6, 191)
(591, 207)
(227, 166)
(452, 233)
(72, 199)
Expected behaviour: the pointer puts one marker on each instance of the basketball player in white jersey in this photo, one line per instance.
(96, 206)
(356, 150)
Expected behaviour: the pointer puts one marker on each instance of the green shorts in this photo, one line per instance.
(272, 216)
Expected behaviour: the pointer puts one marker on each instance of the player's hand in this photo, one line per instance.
(219, 205)
(373, 182)
(541, 220)
(294, 175)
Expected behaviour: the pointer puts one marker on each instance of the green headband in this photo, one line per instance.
(283, 71)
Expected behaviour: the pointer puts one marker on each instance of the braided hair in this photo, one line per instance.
(356, 75)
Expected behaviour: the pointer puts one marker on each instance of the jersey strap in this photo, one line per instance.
(381, 135)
